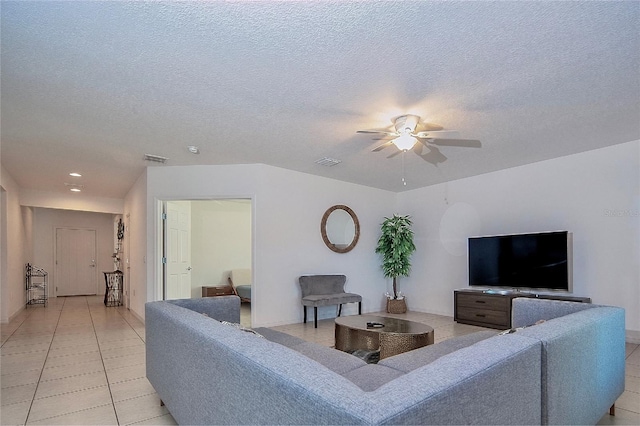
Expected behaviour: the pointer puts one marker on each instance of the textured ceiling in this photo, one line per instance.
(93, 86)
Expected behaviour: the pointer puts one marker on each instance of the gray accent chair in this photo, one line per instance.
(325, 290)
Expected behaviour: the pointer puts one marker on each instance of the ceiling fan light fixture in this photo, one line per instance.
(406, 123)
(405, 142)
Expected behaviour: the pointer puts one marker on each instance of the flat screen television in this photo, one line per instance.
(539, 261)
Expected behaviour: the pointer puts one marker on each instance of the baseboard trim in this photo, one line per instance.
(632, 336)
(15, 314)
(138, 317)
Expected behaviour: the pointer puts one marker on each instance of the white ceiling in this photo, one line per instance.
(93, 86)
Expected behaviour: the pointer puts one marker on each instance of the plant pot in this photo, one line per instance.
(396, 306)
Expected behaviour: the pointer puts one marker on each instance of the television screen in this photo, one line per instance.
(532, 261)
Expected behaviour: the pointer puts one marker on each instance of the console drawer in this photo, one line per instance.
(212, 291)
(483, 301)
(486, 317)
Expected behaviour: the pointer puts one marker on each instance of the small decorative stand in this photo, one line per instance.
(36, 285)
(114, 282)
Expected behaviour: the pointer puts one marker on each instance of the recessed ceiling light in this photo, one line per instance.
(74, 174)
(193, 149)
(75, 190)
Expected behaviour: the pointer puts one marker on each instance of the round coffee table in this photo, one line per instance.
(394, 337)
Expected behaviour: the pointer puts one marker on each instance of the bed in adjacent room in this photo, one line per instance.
(240, 279)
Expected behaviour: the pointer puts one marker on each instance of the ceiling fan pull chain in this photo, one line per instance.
(404, 182)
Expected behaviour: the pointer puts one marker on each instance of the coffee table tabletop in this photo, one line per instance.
(395, 336)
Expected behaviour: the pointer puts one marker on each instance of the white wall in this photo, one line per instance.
(135, 244)
(70, 201)
(16, 248)
(287, 210)
(46, 221)
(594, 194)
(221, 241)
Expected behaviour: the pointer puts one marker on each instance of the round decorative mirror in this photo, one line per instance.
(340, 228)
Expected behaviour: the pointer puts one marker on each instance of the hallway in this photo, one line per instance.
(76, 362)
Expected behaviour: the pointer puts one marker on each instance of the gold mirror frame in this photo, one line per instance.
(323, 229)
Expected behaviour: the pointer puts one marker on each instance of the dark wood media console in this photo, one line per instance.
(493, 309)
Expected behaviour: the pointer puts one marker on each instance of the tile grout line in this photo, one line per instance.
(113, 404)
(16, 329)
(35, 392)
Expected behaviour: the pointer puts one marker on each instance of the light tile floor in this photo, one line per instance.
(77, 362)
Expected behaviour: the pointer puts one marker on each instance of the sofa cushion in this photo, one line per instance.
(330, 299)
(222, 308)
(411, 360)
(527, 311)
(370, 377)
(335, 360)
(279, 337)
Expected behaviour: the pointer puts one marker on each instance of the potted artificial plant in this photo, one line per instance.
(396, 246)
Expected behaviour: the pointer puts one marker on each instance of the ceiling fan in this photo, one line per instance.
(407, 130)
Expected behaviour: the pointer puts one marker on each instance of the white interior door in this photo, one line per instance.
(76, 262)
(178, 249)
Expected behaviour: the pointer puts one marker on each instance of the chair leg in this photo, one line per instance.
(339, 309)
(359, 308)
(612, 410)
(315, 317)
(304, 309)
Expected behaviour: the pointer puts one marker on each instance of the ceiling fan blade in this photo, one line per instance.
(431, 133)
(394, 154)
(381, 147)
(465, 143)
(380, 132)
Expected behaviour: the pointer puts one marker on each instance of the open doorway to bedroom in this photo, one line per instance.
(204, 243)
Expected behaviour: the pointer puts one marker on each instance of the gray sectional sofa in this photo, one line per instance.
(207, 372)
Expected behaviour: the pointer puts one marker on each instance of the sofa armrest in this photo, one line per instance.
(583, 364)
(527, 311)
(221, 308)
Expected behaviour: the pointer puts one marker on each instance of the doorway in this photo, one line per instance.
(177, 251)
(201, 241)
(75, 262)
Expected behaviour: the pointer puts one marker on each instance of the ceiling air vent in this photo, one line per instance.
(328, 161)
(155, 158)
(74, 186)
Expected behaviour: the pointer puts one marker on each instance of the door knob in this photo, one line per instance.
(188, 268)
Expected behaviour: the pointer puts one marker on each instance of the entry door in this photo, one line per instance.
(76, 262)
(178, 250)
